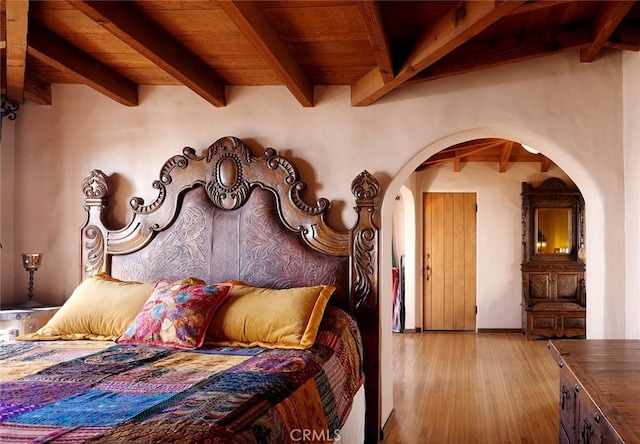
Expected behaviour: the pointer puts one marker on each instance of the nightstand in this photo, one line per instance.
(20, 321)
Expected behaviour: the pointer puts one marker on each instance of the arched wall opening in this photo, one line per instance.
(405, 245)
(595, 236)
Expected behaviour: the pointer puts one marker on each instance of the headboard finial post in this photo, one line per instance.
(364, 238)
(96, 185)
(365, 188)
(96, 189)
(364, 292)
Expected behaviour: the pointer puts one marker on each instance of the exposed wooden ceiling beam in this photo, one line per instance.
(456, 27)
(125, 21)
(61, 55)
(451, 154)
(606, 22)
(505, 155)
(17, 12)
(490, 142)
(370, 12)
(456, 153)
(471, 58)
(626, 36)
(493, 150)
(249, 19)
(37, 92)
(539, 4)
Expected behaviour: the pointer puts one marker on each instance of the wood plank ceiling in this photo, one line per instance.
(498, 151)
(372, 46)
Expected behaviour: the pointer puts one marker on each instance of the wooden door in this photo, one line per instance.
(449, 261)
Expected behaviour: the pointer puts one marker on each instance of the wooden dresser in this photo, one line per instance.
(599, 391)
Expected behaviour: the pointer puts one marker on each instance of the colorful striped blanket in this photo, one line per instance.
(79, 391)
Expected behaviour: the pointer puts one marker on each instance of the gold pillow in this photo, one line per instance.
(100, 308)
(264, 317)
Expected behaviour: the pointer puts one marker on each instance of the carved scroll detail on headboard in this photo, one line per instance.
(137, 203)
(232, 171)
(227, 187)
(230, 184)
(274, 161)
(95, 187)
(178, 161)
(364, 246)
(365, 188)
(93, 248)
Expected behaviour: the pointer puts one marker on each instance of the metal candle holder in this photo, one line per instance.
(31, 262)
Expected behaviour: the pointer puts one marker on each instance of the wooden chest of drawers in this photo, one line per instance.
(18, 321)
(554, 320)
(553, 301)
(599, 397)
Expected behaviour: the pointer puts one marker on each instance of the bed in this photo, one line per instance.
(276, 340)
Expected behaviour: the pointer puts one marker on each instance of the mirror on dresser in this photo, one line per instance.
(553, 269)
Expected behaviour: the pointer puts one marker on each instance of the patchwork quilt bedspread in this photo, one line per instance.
(88, 391)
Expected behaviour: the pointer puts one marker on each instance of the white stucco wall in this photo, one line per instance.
(631, 96)
(572, 111)
(9, 257)
(405, 240)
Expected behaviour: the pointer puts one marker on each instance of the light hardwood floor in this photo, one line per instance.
(485, 388)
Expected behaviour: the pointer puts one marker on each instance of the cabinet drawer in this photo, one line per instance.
(556, 323)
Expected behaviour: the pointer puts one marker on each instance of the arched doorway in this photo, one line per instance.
(594, 223)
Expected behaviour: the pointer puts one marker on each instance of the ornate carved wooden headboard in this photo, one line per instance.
(228, 214)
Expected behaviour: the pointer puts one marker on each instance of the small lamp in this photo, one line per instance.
(542, 242)
(31, 262)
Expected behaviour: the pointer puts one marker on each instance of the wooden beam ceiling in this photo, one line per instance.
(370, 12)
(17, 14)
(461, 151)
(499, 151)
(626, 37)
(505, 155)
(373, 46)
(59, 54)
(454, 29)
(39, 93)
(473, 57)
(249, 19)
(125, 21)
(607, 21)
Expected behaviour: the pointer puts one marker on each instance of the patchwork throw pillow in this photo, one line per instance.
(264, 317)
(176, 314)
